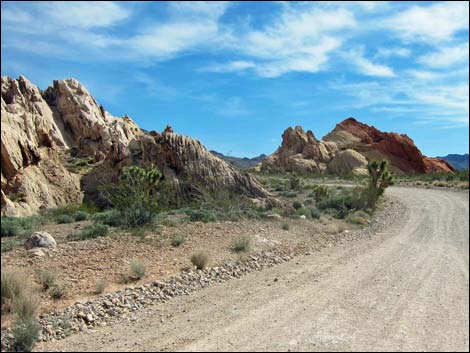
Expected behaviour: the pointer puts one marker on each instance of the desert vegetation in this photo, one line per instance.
(138, 214)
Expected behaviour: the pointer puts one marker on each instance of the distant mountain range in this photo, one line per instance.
(458, 161)
(238, 162)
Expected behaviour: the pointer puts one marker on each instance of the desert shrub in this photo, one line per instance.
(315, 212)
(12, 287)
(285, 226)
(302, 212)
(294, 182)
(201, 215)
(100, 286)
(320, 193)
(111, 218)
(9, 244)
(296, 205)
(309, 201)
(241, 244)
(61, 219)
(58, 291)
(18, 298)
(125, 278)
(25, 304)
(200, 259)
(47, 279)
(178, 239)
(358, 217)
(135, 195)
(80, 216)
(137, 269)
(25, 334)
(20, 226)
(290, 194)
(91, 231)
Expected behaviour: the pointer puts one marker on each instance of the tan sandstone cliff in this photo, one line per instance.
(42, 131)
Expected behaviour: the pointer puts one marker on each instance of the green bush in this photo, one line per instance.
(47, 279)
(201, 215)
(320, 193)
(25, 334)
(285, 226)
(9, 244)
(25, 304)
(294, 182)
(100, 286)
(200, 259)
(12, 287)
(80, 216)
(241, 244)
(297, 205)
(178, 239)
(135, 195)
(61, 219)
(137, 269)
(20, 226)
(111, 218)
(315, 213)
(58, 291)
(302, 212)
(91, 231)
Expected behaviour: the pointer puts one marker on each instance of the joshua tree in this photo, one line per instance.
(380, 179)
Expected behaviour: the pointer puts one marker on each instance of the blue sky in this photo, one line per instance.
(236, 74)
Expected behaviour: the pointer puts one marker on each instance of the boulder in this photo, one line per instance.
(40, 240)
(348, 161)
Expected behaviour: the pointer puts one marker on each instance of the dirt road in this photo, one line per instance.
(407, 288)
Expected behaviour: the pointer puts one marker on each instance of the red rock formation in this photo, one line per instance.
(401, 152)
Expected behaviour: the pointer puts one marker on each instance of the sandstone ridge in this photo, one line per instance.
(55, 141)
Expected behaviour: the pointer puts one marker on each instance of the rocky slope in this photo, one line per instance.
(401, 152)
(347, 149)
(43, 132)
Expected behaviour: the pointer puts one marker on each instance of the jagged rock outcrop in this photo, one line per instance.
(300, 151)
(401, 152)
(33, 174)
(44, 130)
(185, 163)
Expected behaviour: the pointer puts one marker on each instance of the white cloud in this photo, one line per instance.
(367, 67)
(45, 17)
(436, 102)
(392, 51)
(297, 40)
(437, 22)
(86, 14)
(232, 66)
(446, 56)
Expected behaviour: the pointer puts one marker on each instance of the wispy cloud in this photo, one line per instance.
(446, 56)
(437, 22)
(366, 66)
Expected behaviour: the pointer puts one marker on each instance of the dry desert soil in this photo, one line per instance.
(404, 289)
